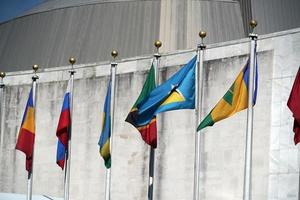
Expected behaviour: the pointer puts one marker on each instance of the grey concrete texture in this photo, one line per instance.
(275, 15)
(90, 31)
(275, 158)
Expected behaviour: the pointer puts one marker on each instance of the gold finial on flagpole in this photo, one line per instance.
(157, 44)
(202, 35)
(114, 54)
(2, 74)
(72, 61)
(35, 69)
(253, 24)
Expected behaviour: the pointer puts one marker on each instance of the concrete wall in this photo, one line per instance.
(275, 158)
(90, 30)
(276, 15)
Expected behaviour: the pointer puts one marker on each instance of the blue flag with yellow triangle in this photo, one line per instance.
(178, 92)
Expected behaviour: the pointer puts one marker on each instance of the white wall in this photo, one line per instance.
(275, 158)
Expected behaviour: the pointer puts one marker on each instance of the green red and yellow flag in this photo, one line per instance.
(147, 130)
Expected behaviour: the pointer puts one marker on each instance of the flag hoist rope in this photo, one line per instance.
(69, 153)
(198, 102)
(114, 65)
(34, 91)
(157, 56)
(249, 133)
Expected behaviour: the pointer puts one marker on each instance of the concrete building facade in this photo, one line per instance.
(89, 29)
(275, 157)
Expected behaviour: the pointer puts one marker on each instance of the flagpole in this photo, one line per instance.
(249, 134)
(157, 56)
(30, 173)
(2, 86)
(114, 65)
(299, 184)
(198, 101)
(72, 61)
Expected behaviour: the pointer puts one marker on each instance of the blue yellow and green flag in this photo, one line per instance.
(104, 141)
(234, 100)
(178, 92)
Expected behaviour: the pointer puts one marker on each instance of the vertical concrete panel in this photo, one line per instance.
(276, 15)
(221, 20)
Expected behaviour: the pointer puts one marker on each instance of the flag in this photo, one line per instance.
(234, 100)
(178, 92)
(294, 106)
(104, 141)
(63, 128)
(148, 130)
(25, 142)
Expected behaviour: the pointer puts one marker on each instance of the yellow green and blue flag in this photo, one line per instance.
(104, 141)
(178, 92)
(234, 100)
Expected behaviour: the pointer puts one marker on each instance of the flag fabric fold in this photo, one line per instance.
(294, 106)
(63, 128)
(178, 92)
(234, 100)
(148, 130)
(104, 141)
(25, 142)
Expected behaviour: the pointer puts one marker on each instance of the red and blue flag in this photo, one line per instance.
(63, 129)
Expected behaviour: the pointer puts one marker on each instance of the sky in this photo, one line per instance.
(12, 8)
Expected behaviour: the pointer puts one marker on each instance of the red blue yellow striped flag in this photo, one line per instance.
(25, 142)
